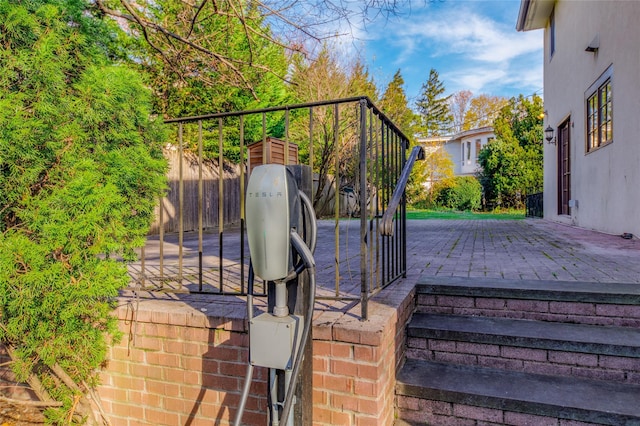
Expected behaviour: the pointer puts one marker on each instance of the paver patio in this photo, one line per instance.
(520, 249)
(512, 249)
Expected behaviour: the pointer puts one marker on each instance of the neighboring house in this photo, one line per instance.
(433, 143)
(592, 103)
(434, 148)
(463, 148)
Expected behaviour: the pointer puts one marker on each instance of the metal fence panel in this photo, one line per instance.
(357, 155)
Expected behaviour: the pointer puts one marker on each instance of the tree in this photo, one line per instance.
(433, 107)
(395, 106)
(361, 83)
(429, 175)
(173, 32)
(227, 55)
(80, 170)
(483, 110)
(248, 74)
(188, 82)
(512, 164)
(458, 105)
(334, 149)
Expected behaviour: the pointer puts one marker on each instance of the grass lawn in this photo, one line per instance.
(456, 215)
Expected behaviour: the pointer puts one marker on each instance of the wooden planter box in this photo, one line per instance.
(271, 152)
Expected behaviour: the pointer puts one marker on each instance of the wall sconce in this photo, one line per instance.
(594, 45)
(548, 135)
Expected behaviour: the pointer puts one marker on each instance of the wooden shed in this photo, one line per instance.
(271, 152)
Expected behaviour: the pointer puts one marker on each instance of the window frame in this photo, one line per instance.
(598, 112)
(552, 33)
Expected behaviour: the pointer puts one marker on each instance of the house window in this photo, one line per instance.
(599, 104)
(478, 148)
(552, 33)
(468, 152)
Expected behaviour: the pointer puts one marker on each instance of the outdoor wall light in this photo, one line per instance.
(548, 135)
(594, 45)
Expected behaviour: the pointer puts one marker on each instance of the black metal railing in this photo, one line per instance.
(386, 229)
(357, 155)
(534, 205)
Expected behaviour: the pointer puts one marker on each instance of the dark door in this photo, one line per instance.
(564, 168)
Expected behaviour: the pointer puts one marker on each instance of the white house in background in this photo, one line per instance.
(592, 103)
(433, 143)
(463, 148)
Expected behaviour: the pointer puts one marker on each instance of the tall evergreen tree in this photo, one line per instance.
(361, 83)
(433, 107)
(80, 171)
(395, 106)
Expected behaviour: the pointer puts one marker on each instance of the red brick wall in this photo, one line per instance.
(184, 364)
(178, 366)
(355, 363)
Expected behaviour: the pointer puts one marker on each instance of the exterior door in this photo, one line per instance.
(564, 168)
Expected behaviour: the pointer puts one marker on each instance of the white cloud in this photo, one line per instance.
(522, 76)
(475, 79)
(471, 51)
(466, 33)
(472, 44)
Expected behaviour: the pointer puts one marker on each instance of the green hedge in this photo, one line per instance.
(463, 193)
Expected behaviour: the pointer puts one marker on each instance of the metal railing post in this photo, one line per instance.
(220, 205)
(336, 197)
(364, 293)
(180, 205)
(200, 205)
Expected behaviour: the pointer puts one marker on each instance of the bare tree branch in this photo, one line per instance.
(195, 17)
(194, 46)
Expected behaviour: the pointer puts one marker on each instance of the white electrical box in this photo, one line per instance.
(273, 340)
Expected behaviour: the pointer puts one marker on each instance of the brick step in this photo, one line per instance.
(597, 352)
(557, 301)
(436, 393)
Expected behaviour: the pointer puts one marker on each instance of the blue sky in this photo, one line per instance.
(473, 44)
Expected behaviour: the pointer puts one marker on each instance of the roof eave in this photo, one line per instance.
(534, 14)
(472, 132)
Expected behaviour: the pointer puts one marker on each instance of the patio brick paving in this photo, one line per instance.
(520, 249)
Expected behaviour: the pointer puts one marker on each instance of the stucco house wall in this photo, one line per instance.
(605, 183)
(452, 147)
(468, 145)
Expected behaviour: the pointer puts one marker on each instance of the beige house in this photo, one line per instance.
(463, 148)
(592, 103)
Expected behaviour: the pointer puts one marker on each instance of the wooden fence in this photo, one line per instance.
(170, 204)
